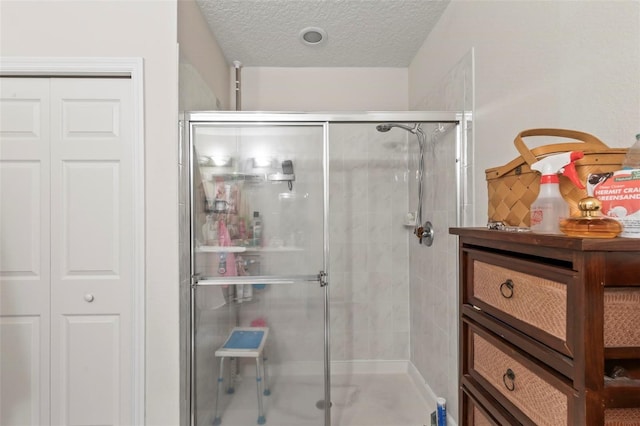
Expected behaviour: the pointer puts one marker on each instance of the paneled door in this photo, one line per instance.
(25, 276)
(67, 250)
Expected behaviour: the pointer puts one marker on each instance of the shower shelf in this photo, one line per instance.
(244, 177)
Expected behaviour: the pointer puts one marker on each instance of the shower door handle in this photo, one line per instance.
(274, 280)
(195, 278)
(322, 278)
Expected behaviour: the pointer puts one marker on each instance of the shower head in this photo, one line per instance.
(385, 127)
(416, 130)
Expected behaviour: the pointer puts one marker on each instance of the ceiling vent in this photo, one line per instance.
(313, 36)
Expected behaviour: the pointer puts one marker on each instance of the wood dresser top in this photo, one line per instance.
(550, 240)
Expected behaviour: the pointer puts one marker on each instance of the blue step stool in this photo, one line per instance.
(245, 342)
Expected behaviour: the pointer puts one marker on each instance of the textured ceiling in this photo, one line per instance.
(360, 33)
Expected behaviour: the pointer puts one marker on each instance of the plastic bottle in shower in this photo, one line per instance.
(210, 231)
(256, 229)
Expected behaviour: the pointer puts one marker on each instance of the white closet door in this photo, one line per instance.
(24, 252)
(91, 251)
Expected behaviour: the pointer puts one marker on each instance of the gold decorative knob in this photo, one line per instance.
(589, 207)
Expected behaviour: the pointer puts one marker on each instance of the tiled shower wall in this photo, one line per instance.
(433, 273)
(368, 243)
(433, 270)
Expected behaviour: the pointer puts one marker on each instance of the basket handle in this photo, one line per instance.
(587, 142)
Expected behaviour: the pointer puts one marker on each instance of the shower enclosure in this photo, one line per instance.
(283, 207)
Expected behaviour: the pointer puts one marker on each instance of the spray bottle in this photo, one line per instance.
(549, 208)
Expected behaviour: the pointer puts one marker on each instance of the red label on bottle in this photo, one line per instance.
(536, 217)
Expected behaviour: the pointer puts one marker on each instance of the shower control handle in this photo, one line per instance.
(425, 234)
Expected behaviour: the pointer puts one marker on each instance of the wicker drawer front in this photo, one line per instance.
(622, 417)
(535, 397)
(479, 419)
(536, 301)
(621, 317)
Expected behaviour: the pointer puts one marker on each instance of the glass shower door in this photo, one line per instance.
(258, 252)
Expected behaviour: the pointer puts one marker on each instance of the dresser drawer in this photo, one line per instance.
(479, 419)
(542, 397)
(533, 300)
(539, 306)
(481, 409)
(622, 317)
(536, 304)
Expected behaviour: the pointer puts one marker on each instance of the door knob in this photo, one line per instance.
(88, 297)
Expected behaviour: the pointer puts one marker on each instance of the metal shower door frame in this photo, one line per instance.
(291, 118)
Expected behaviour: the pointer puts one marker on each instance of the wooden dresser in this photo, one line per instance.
(549, 329)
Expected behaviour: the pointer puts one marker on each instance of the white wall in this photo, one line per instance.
(204, 72)
(324, 89)
(573, 65)
(114, 28)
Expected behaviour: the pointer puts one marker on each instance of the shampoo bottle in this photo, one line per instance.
(256, 229)
(210, 231)
(549, 208)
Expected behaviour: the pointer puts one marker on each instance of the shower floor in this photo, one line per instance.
(358, 400)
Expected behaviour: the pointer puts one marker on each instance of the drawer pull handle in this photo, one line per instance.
(506, 289)
(511, 377)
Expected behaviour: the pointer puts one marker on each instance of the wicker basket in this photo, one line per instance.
(514, 187)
